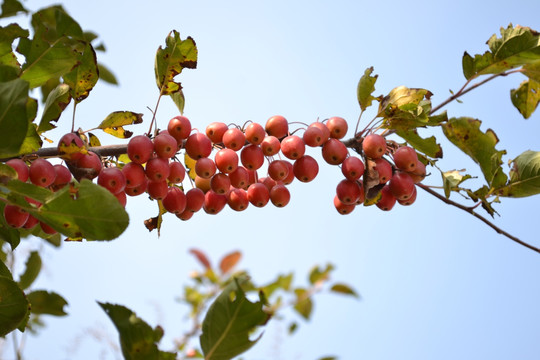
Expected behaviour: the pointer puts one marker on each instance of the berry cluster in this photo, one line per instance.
(396, 182)
(231, 176)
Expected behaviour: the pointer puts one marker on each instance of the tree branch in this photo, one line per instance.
(478, 216)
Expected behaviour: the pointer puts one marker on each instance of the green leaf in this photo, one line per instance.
(171, 60)
(516, 47)
(114, 123)
(45, 302)
(13, 305)
(328, 358)
(4, 271)
(344, 289)
(228, 323)
(526, 97)
(32, 142)
(406, 108)
(319, 274)
(303, 305)
(524, 176)
(137, 339)
(179, 100)
(427, 146)
(282, 282)
(532, 71)
(452, 179)
(55, 49)
(403, 95)
(84, 77)
(465, 133)
(85, 210)
(13, 116)
(107, 75)
(31, 272)
(12, 8)
(7, 35)
(7, 233)
(366, 87)
(57, 100)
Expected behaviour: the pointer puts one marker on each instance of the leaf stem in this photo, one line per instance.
(478, 216)
(154, 113)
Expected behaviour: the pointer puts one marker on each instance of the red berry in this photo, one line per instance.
(334, 151)
(387, 200)
(198, 146)
(293, 147)
(112, 179)
(325, 131)
(71, 147)
(165, 146)
(313, 136)
(179, 127)
(352, 168)
(20, 167)
(280, 195)
(121, 197)
(419, 172)
(234, 139)
(202, 183)
(258, 194)
(15, 216)
(220, 183)
(185, 215)
(215, 131)
(268, 182)
(405, 158)
(157, 169)
(140, 149)
(290, 176)
(137, 190)
(134, 174)
(205, 168)
(177, 172)
(348, 192)
(255, 133)
(342, 208)
(63, 176)
(194, 200)
(42, 173)
(338, 127)
(374, 146)
(410, 200)
(214, 203)
(175, 200)
(47, 229)
(240, 178)
(401, 185)
(278, 170)
(91, 162)
(226, 160)
(252, 157)
(237, 199)
(277, 126)
(270, 145)
(157, 189)
(384, 169)
(306, 168)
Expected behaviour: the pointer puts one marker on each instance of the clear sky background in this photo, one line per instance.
(435, 282)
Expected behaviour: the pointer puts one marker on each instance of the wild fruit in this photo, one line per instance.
(277, 126)
(374, 146)
(140, 149)
(306, 168)
(42, 173)
(405, 158)
(338, 127)
(334, 151)
(179, 127)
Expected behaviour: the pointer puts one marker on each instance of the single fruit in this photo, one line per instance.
(179, 127)
(306, 168)
(42, 173)
(252, 157)
(140, 149)
(215, 131)
(405, 158)
(334, 152)
(255, 133)
(338, 127)
(374, 146)
(175, 200)
(277, 126)
(20, 167)
(198, 146)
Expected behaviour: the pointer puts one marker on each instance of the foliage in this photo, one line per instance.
(60, 61)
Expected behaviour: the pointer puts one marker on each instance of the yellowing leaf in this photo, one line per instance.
(114, 123)
(190, 165)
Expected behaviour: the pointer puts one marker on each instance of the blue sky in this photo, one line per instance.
(435, 282)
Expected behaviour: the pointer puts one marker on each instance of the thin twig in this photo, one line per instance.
(478, 216)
